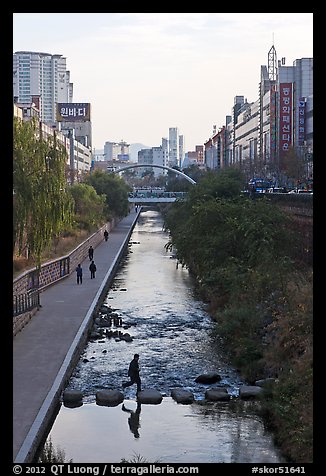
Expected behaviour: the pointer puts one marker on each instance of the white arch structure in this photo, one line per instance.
(116, 171)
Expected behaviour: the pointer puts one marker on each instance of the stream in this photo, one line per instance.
(171, 331)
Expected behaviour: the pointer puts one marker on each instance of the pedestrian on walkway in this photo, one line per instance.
(106, 235)
(92, 268)
(133, 373)
(79, 271)
(90, 253)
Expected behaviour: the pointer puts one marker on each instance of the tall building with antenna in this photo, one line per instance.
(259, 134)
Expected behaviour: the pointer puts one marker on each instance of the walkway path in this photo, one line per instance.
(43, 350)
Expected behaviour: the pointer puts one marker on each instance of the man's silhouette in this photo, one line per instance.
(133, 420)
(133, 373)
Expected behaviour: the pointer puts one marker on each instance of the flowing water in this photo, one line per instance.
(170, 327)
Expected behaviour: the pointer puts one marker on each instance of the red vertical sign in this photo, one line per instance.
(286, 111)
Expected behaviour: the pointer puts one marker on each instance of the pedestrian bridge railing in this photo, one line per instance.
(54, 270)
(24, 307)
(25, 302)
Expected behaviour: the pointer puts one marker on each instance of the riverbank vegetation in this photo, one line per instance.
(41, 206)
(246, 256)
(51, 216)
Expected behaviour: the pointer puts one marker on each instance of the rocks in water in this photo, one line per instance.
(104, 322)
(106, 317)
(118, 335)
(210, 377)
(250, 392)
(126, 337)
(112, 397)
(181, 395)
(72, 396)
(149, 395)
(109, 398)
(217, 394)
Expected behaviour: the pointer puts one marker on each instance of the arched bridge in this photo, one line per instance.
(165, 167)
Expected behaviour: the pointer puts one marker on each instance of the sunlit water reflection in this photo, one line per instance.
(171, 332)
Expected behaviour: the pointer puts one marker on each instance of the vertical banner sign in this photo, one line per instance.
(272, 123)
(302, 121)
(285, 117)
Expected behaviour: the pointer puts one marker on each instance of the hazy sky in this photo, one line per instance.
(146, 72)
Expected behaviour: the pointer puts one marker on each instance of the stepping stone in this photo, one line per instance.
(217, 394)
(149, 395)
(109, 398)
(210, 377)
(72, 396)
(181, 395)
(250, 391)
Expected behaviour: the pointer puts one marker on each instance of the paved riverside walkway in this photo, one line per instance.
(43, 349)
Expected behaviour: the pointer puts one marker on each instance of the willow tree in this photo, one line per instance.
(41, 205)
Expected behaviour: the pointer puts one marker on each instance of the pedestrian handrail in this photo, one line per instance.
(25, 302)
(57, 269)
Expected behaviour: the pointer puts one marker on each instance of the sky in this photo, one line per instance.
(146, 72)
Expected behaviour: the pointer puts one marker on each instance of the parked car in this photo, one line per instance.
(258, 185)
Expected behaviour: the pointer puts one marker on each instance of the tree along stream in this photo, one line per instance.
(171, 332)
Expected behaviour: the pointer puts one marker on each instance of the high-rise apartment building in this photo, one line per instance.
(174, 150)
(295, 102)
(43, 76)
(165, 149)
(181, 150)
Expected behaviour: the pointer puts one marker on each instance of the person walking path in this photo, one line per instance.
(42, 347)
(92, 268)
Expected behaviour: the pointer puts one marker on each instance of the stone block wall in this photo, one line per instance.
(57, 269)
(53, 271)
(20, 321)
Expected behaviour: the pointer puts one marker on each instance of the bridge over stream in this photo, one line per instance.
(164, 167)
(145, 196)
